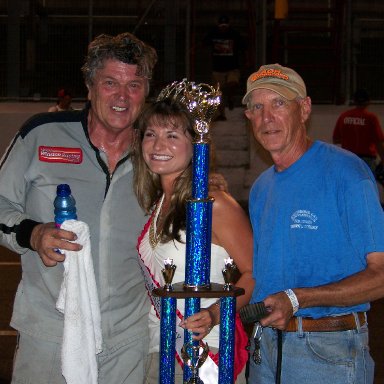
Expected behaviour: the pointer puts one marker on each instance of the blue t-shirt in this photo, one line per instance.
(314, 223)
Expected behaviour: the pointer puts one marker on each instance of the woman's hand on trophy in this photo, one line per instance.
(201, 323)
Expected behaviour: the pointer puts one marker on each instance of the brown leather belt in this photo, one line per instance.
(327, 324)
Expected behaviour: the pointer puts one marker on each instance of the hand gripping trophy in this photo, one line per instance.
(202, 101)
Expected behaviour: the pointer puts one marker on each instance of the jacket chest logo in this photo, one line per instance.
(60, 155)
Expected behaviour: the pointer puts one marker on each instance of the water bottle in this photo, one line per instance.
(65, 205)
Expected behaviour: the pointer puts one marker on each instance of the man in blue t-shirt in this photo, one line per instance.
(318, 243)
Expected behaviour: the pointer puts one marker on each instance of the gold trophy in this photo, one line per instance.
(229, 273)
(194, 362)
(168, 272)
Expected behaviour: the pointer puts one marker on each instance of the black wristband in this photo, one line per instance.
(24, 231)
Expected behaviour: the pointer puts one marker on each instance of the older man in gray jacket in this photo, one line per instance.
(90, 151)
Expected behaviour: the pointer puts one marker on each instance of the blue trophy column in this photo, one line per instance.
(167, 340)
(227, 339)
(198, 232)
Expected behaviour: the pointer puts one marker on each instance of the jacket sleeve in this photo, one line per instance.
(15, 225)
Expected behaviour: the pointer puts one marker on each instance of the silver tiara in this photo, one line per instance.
(201, 100)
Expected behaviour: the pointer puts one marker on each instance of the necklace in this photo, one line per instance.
(154, 234)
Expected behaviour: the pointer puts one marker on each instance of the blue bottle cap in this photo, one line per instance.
(63, 190)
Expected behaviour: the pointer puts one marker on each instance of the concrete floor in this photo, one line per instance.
(10, 276)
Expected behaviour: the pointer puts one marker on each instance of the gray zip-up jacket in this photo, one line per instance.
(52, 149)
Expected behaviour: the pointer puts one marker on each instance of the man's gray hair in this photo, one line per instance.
(124, 47)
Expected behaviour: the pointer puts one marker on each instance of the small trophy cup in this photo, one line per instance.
(168, 272)
(195, 361)
(229, 273)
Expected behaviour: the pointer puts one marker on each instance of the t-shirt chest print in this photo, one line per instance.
(303, 219)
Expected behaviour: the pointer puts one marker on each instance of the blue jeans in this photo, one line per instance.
(314, 357)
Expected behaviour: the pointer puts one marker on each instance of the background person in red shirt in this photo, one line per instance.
(64, 100)
(358, 130)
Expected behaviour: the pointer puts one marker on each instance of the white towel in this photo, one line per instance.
(79, 303)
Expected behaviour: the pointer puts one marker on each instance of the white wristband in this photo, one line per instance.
(293, 299)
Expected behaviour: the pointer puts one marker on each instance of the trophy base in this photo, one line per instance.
(216, 290)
